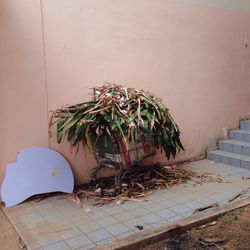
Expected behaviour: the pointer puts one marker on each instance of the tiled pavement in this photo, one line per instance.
(58, 223)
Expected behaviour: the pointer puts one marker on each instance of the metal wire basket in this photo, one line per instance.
(116, 155)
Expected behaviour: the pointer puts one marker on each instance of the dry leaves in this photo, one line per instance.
(207, 177)
(137, 183)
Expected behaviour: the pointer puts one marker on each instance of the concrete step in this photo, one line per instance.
(230, 158)
(234, 146)
(240, 135)
(245, 124)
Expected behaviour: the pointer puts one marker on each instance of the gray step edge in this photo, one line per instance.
(242, 131)
(233, 159)
(245, 124)
(240, 135)
(235, 142)
(234, 146)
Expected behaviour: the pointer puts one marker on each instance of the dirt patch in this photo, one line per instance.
(230, 231)
(8, 236)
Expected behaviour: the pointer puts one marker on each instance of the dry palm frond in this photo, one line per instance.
(119, 112)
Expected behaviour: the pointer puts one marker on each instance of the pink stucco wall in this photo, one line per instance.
(192, 56)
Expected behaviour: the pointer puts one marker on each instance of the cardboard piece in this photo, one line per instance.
(37, 170)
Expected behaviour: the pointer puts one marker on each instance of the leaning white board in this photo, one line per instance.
(37, 170)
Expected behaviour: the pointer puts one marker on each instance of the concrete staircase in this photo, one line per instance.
(236, 150)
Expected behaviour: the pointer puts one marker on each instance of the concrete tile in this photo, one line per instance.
(171, 203)
(181, 199)
(235, 162)
(42, 206)
(86, 228)
(150, 218)
(210, 155)
(236, 171)
(78, 241)
(216, 198)
(133, 223)
(176, 218)
(98, 215)
(242, 124)
(54, 218)
(46, 239)
(71, 213)
(30, 217)
(117, 229)
(124, 235)
(175, 191)
(225, 159)
(124, 216)
(205, 200)
(192, 204)
(157, 197)
(48, 211)
(154, 207)
(107, 221)
(99, 235)
(35, 223)
(57, 246)
(59, 201)
(26, 210)
(69, 233)
(106, 241)
(180, 209)
(228, 147)
(67, 208)
(138, 212)
(130, 205)
(247, 137)
(221, 145)
(245, 164)
(166, 213)
(113, 210)
(239, 136)
(246, 150)
(160, 223)
(80, 219)
(88, 247)
(215, 157)
(237, 149)
(194, 196)
(247, 125)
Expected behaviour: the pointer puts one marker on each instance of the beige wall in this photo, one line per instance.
(22, 88)
(193, 56)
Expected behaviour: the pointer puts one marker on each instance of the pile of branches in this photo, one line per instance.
(135, 184)
(118, 112)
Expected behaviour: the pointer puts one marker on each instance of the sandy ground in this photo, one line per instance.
(230, 232)
(8, 235)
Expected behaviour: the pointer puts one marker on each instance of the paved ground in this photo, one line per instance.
(57, 223)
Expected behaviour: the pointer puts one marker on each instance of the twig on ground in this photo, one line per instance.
(213, 223)
(238, 194)
(200, 209)
(245, 178)
(207, 177)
